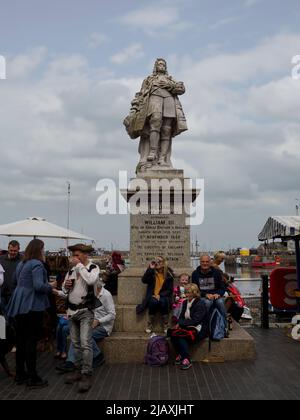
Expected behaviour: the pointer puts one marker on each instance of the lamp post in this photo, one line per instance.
(297, 206)
(68, 209)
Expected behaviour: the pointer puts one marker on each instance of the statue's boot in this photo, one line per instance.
(164, 149)
(154, 142)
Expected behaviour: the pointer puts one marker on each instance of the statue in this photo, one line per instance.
(156, 116)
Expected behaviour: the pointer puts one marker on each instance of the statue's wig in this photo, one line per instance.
(155, 72)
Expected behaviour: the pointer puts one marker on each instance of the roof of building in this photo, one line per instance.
(280, 227)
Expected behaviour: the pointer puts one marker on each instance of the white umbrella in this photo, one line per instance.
(38, 227)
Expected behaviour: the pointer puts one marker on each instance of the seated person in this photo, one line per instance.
(160, 281)
(235, 304)
(210, 282)
(194, 314)
(103, 324)
(62, 334)
(179, 296)
(218, 260)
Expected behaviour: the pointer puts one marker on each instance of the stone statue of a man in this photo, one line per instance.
(156, 117)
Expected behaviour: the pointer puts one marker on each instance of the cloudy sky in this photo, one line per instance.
(72, 69)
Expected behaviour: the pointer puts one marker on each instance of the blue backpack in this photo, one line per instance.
(217, 326)
(157, 352)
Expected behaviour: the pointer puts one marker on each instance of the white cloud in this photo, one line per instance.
(156, 20)
(98, 39)
(250, 3)
(23, 65)
(133, 52)
(243, 137)
(223, 22)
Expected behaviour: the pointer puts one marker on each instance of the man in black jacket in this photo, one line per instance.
(9, 263)
(211, 284)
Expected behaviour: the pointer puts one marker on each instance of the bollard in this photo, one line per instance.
(265, 303)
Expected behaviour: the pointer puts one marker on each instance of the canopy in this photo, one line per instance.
(280, 227)
(38, 227)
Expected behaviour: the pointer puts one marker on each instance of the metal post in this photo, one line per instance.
(68, 215)
(297, 249)
(265, 303)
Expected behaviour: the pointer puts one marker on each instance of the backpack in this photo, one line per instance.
(157, 352)
(217, 326)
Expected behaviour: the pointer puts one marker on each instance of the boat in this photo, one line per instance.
(266, 262)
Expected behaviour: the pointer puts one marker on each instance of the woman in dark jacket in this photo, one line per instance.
(194, 314)
(27, 306)
(160, 281)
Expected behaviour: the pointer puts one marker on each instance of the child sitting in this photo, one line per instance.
(179, 296)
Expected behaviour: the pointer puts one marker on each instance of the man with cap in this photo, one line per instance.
(104, 318)
(80, 287)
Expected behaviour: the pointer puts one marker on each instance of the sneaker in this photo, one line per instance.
(186, 364)
(149, 329)
(85, 384)
(37, 383)
(66, 367)
(178, 361)
(73, 378)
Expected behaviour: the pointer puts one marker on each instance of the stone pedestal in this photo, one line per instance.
(154, 233)
(159, 226)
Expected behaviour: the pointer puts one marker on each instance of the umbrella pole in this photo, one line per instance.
(297, 248)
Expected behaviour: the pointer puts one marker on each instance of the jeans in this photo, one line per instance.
(62, 334)
(162, 306)
(99, 334)
(218, 304)
(29, 328)
(182, 345)
(81, 337)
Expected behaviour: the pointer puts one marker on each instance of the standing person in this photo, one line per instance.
(114, 268)
(27, 307)
(104, 318)
(9, 263)
(80, 287)
(160, 281)
(210, 282)
(193, 317)
(1, 283)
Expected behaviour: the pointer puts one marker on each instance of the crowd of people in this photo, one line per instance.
(27, 291)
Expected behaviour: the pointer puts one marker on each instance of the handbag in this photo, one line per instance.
(190, 333)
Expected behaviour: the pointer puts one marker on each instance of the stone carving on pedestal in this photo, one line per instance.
(156, 117)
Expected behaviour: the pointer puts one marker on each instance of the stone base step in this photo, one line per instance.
(126, 347)
(128, 321)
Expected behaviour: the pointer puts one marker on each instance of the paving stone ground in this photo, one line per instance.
(274, 375)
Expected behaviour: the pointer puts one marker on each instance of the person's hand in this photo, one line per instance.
(152, 265)
(69, 284)
(55, 292)
(210, 297)
(74, 261)
(53, 284)
(177, 299)
(96, 324)
(157, 297)
(216, 297)
(176, 327)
